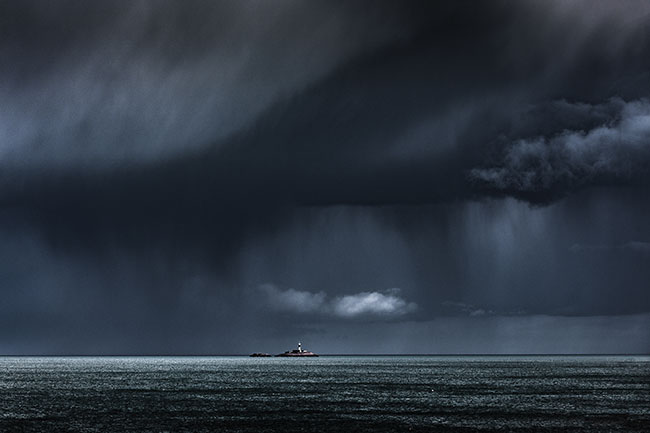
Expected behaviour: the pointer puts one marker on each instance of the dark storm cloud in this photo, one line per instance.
(406, 105)
(159, 161)
(616, 151)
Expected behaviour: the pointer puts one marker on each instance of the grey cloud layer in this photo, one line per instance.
(144, 81)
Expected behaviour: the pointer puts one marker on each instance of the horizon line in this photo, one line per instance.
(320, 355)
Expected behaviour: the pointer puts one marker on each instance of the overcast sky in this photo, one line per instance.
(198, 177)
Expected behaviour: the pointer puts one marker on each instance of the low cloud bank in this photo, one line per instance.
(387, 303)
(462, 309)
(634, 247)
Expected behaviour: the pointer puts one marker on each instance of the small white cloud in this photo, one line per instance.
(371, 303)
(387, 303)
(293, 300)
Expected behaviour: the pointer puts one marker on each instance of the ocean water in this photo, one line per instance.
(325, 394)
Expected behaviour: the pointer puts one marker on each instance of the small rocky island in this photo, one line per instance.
(297, 352)
(289, 353)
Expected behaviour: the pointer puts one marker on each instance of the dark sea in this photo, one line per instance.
(325, 394)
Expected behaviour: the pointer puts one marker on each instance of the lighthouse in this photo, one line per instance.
(299, 347)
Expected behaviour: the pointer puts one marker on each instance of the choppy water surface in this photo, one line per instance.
(325, 394)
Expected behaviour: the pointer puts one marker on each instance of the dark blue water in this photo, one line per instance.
(326, 394)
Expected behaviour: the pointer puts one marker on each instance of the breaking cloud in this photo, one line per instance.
(376, 304)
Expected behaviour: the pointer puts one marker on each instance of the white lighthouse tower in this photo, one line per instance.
(299, 347)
